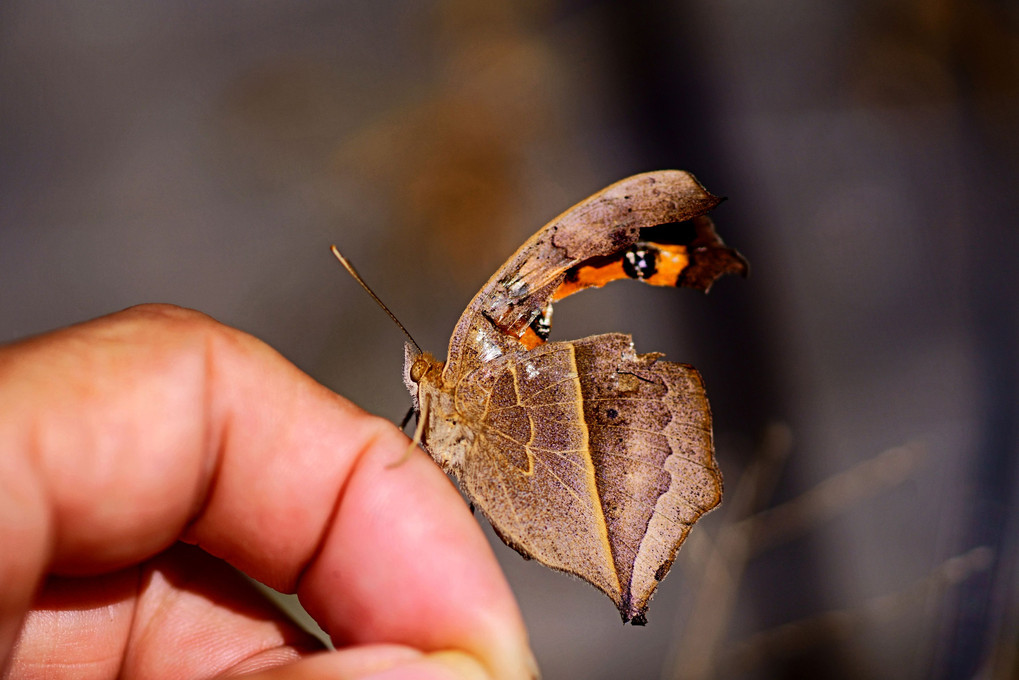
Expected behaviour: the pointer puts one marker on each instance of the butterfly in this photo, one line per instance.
(584, 455)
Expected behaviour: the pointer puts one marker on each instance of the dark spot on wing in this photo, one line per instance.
(640, 261)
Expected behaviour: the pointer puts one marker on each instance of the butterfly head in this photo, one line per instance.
(419, 366)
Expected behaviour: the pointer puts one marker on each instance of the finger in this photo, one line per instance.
(136, 428)
(182, 614)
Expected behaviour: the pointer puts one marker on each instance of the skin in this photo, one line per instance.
(144, 452)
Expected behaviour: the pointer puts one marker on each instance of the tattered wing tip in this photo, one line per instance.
(716, 265)
(710, 258)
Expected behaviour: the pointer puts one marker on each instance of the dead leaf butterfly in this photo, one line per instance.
(584, 455)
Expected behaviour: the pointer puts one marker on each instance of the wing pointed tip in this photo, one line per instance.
(630, 611)
(638, 618)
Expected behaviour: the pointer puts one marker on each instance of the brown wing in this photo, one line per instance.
(593, 460)
(649, 227)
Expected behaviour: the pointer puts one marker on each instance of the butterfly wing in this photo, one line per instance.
(584, 455)
(592, 459)
(596, 241)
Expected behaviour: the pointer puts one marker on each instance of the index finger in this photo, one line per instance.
(124, 434)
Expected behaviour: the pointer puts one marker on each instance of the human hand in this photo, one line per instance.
(126, 437)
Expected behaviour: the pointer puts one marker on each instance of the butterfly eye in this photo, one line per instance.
(418, 370)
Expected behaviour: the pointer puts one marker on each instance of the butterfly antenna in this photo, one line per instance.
(357, 277)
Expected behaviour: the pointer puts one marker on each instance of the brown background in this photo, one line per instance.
(207, 154)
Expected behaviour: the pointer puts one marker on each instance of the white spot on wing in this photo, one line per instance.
(488, 349)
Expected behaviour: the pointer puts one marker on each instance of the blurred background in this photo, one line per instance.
(863, 379)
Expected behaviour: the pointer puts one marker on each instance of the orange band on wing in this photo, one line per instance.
(589, 276)
(653, 263)
(670, 261)
(530, 339)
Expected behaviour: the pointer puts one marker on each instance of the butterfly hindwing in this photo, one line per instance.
(580, 448)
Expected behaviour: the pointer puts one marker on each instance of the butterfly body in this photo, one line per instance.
(584, 455)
